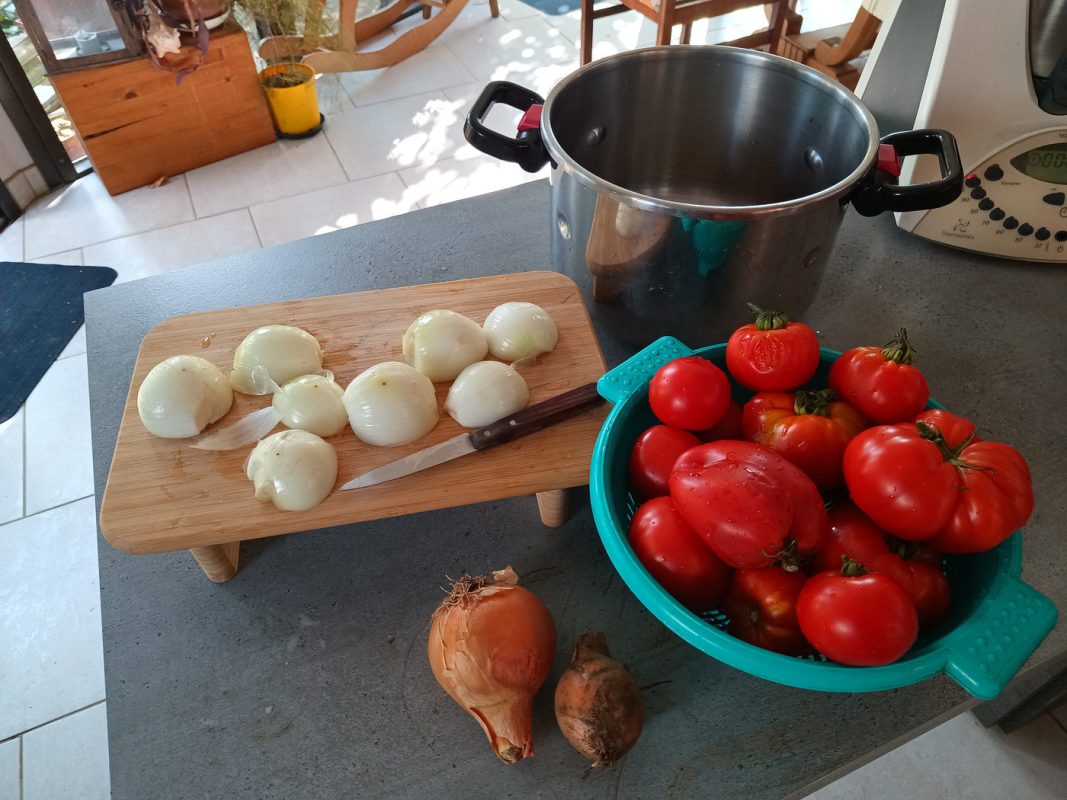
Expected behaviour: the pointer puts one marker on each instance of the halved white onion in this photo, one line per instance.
(283, 351)
(311, 403)
(520, 332)
(390, 404)
(440, 343)
(181, 396)
(485, 392)
(295, 470)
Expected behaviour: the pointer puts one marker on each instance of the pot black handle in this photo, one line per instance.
(881, 192)
(526, 149)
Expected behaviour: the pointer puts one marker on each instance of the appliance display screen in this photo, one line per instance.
(1047, 163)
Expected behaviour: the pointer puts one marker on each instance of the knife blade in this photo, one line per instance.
(536, 417)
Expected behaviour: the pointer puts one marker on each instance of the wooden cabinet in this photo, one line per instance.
(139, 125)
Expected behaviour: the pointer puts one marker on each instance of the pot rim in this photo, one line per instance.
(763, 60)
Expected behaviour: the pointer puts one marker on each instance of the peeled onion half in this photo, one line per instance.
(181, 396)
(311, 403)
(280, 352)
(391, 404)
(520, 332)
(440, 343)
(485, 392)
(295, 470)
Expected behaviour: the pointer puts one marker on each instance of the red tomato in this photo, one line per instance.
(901, 480)
(926, 585)
(772, 354)
(729, 427)
(676, 557)
(912, 484)
(811, 429)
(997, 500)
(864, 621)
(761, 605)
(748, 503)
(880, 381)
(852, 534)
(956, 430)
(915, 551)
(653, 457)
(689, 393)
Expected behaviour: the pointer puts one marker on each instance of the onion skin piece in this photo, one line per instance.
(491, 647)
(598, 703)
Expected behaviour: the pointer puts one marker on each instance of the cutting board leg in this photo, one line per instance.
(219, 561)
(553, 507)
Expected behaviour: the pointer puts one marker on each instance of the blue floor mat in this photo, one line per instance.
(40, 311)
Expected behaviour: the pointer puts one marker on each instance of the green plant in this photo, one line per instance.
(9, 19)
(287, 29)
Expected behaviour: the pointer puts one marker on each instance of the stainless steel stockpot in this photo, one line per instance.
(688, 181)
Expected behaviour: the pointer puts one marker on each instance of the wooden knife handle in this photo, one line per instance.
(538, 416)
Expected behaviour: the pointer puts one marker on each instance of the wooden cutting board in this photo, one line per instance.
(163, 495)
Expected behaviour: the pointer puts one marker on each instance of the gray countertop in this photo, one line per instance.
(306, 675)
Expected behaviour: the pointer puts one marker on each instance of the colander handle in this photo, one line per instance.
(988, 649)
(637, 370)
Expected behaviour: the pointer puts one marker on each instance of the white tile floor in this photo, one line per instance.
(392, 143)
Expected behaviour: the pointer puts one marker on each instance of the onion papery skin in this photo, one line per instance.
(598, 703)
(491, 648)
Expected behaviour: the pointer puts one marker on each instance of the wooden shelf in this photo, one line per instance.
(140, 125)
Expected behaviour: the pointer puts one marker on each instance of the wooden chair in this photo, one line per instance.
(340, 52)
(668, 13)
(837, 51)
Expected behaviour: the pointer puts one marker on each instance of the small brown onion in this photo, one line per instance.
(491, 648)
(598, 703)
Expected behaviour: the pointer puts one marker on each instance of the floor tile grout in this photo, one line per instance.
(26, 516)
(22, 734)
(255, 228)
(24, 464)
(22, 768)
(142, 233)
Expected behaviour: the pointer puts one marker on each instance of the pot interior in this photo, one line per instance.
(709, 126)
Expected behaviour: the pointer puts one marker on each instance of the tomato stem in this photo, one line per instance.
(951, 454)
(768, 320)
(851, 568)
(814, 402)
(899, 349)
(787, 557)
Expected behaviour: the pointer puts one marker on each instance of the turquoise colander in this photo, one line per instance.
(995, 623)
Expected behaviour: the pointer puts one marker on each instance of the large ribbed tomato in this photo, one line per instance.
(965, 499)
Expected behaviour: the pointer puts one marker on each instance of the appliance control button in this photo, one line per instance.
(986, 204)
(1026, 229)
(996, 214)
(994, 173)
(1010, 223)
(1054, 198)
(978, 193)
(1061, 236)
(1041, 234)
(972, 181)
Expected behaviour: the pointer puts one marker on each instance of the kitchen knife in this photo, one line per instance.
(529, 420)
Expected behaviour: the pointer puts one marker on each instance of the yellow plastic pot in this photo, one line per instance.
(295, 109)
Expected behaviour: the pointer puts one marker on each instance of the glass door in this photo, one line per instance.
(32, 105)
